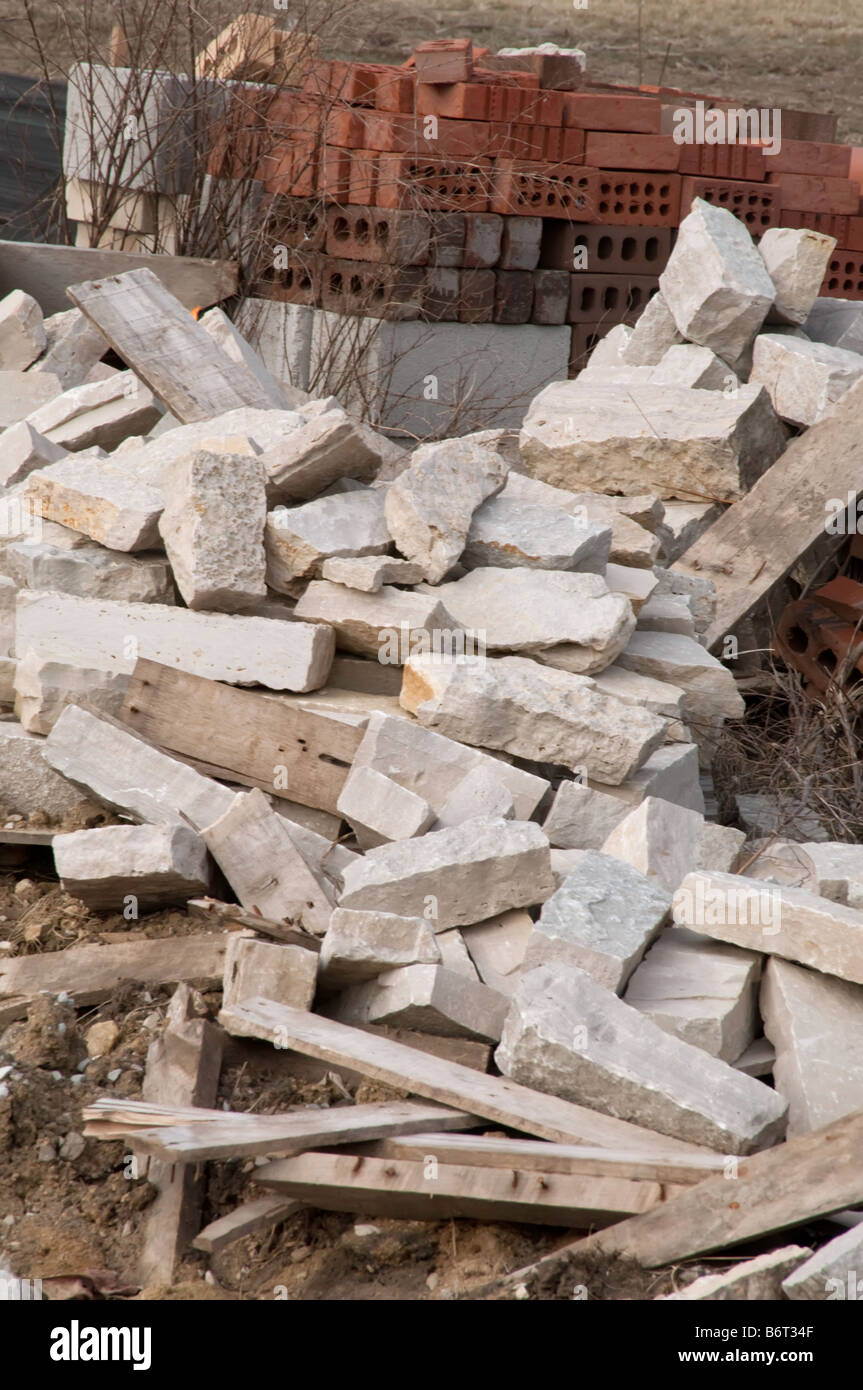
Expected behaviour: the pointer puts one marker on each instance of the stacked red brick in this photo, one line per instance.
(453, 191)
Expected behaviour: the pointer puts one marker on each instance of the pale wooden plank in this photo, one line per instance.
(434, 1192)
(245, 1220)
(758, 539)
(46, 272)
(172, 354)
(243, 733)
(231, 914)
(26, 837)
(494, 1098)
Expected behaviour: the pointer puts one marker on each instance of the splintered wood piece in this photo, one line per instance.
(258, 1215)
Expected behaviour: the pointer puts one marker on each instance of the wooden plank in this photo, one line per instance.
(26, 837)
(758, 539)
(494, 1098)
(172, 354)
(245, 1220)
(525, 1154)
(183, 1068)
(222, 1134)
(211, 910)
(243, 734)
(46, 272)
(246, 48)
(436, 1191)
(782, 1187)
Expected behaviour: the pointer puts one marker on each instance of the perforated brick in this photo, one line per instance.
(609, 250)
(817, 194)
(383, 235)
(299, 281)
(585, 337)
(609, 298)
(633, 199)
(379, 291)
(545, 190)
(756, 204)
(297, 223)
(447, 185)
(844, 278)
(742, 161)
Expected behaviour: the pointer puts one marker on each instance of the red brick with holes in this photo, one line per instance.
(637, 199)
(545, 190)
(756, 204)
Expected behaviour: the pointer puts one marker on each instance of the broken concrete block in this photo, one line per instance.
(659, 839)
(434, 766)
(531, 711)
(90, 571)
(430, 505)
(563, 863)
(609, 351)
(636, 585)
(453, 953)
(700, 592)
(780, 921)
(667, 613)
(142, 865)
(27, 782)
(758, 1059)
(299, 539)
(816, 1026)
(507, 535)
(702, 992)
(658, 697)
(43, 689)
(719, 847)
(73, 347)
(23, 449)
(370, 573)
(232, 342)
(110, 636)
(803, 379)
(796, 259)
(285, 974)
(526, 610)
(264, 864)
(99, 412)
(454, 877)
(683, 523)
(429, 998)
(497, 948)
(568, 1036)
(674, 441)
(752, 1280)
(710, 692)
(699, 368)
(101, 498)
(838, 870)
(387, 625)
(654, 333)
(22, 393)
(22, 334)
(359, 946)
(631, 543)
(838, 322)
(582, 818)
(670, 773)
(833, 1272)
(481, 792)
(602, 920)
(715, 283)
(305, 461)
(213, 529)
(379, 810)
(129, 775)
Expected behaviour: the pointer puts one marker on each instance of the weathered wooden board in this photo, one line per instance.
(437, 1191)
(245, 1220)
(243, 735)
(46, 272)
(758, 539)
(227, 914)
(172, 354)
(492, 1097)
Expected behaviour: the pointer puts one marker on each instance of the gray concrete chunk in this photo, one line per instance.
(22, 333)
(300, 539)
(834, 1272)
(213, 529)
(359, 946)
(508, 534)
(796, 259)
(429, 998)
(148, 865)
(379, 810)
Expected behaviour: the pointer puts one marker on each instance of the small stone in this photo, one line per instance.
(101, 1038)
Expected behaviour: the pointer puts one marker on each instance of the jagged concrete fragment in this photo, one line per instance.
(22, 393)
(659, 697)
(379, 810)
(780, 921)
(265, 864)
(752, 1280)
(699, 590)
(667, 613)
(22, 450)
(285, 974)
(103, 498)
(715, 283)
(609, 351)
(387, 625)
(453, 953)
(654, 333)
(429, 998)
(568, 1036)
(73, 347)
(602, 919)
(370, 573)
(683, 523)
(702, 992)
(98, 412)
(796, 259)
(481, 792)
(710, 692)
(816, 1026)
(699, 368)
(671, 773)
(111, 636)
(838, 322)
(838, 870)
(563, 863)
(531, 711)
(22, 333)
(679, 443)
(213, 529)
(631, 543)
(90, 571)
(803, 379)
(43, 689)
(659, 839)
(118, 866)
(497, 948)
(318, 453)
(360, 946)
(129, 775)
(833, 1272)
(27, 782)
(232, 342)
(758, 1059)
(582, 818)
(527, 610)
(507, 535)
(635, 584)
(300, 539)
(454, 877)
(434, 766)
(719, 847)
(430, 505)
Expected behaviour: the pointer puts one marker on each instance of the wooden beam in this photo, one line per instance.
(46, 272)
(227, 914)
(172, 354)
(758, 539)
(245, 1220)
(244, 735)
(436, 1191)
(494, 1098)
